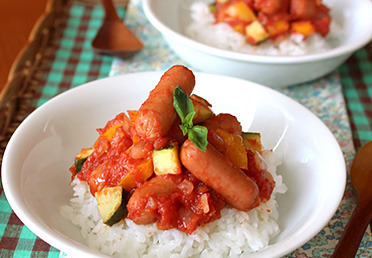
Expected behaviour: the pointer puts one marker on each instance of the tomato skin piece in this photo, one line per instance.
(260, 176)
(322, 21)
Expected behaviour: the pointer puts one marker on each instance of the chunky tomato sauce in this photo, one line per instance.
(259, 20)
(120, 157)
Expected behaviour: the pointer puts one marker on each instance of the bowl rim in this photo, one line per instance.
(342, 50)
(60, 241)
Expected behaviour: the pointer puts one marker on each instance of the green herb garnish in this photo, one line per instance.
(185, 110)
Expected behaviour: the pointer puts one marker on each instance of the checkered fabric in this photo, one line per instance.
(356, 78)
(69, 62)
(73, 62)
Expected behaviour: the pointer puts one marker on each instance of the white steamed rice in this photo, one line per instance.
(236, 233)
(221, 35)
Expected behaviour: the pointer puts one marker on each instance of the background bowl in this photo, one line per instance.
(171, 17)
(37, 158)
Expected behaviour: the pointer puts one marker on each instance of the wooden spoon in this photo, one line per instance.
(114, 38)
(361, 178)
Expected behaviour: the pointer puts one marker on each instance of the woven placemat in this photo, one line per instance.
(58, 57)
(24, 76)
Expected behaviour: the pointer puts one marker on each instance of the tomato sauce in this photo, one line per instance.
(276, 18)
(180, 201)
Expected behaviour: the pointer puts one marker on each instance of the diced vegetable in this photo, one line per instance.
(201, 108)
(241, 11)
(142, 173)
(133, 115)
(194, 97)
(212, 7)
(82, 157)
(259, 20)
(109, 134)
(166, 160)
(235, 149)
(255, 33)
(112, 203)
(305, 28)
(252, 141)
(277, 28)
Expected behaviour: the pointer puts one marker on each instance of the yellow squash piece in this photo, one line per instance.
(201, 108)
(143, 172)
(305, 28)
(255, 33)
(252, 141)
(235, 150)
(241, 11)
(166, 160)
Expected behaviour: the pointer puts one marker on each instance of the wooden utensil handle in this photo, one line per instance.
(110, 11)
(354, 230)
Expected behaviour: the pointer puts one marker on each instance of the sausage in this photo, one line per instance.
(271, 6)
(226, 122)
(303, 9)
(142, 205)
(156, 115)
(215, 170)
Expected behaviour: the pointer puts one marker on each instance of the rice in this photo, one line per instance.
(236, 233)
(221, 35)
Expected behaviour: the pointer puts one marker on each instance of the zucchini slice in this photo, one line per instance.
(202, 109)
(252, 141)
(82, 157)
(166, 160)
(112, 203)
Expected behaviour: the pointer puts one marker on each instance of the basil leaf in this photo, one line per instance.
(185, 110)
(188, 119)
(184, 129)
(198, 135)
(182, 104)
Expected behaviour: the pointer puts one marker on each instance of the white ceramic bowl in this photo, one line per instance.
(35, 166)
(171, 17)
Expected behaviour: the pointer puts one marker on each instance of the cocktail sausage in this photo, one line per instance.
(215, 170)
(156, 115)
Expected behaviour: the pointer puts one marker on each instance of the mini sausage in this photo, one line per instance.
(139, 208)
(226, 122)
(156, 115)
(215, 170)
(303, 9)
(272, 6)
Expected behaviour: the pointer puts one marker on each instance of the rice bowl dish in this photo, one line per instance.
(204, 29)
(351, 26)
(142, 184)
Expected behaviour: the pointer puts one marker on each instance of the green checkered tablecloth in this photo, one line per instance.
(356, 79)
(70, 61)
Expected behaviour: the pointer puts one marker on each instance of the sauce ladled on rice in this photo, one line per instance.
(144, 171)
(267, 27)
(180, 175)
